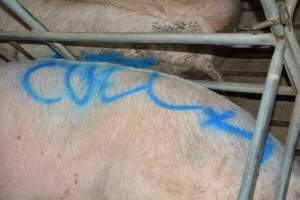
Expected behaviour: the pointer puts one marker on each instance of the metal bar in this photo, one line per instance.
(289, 152)
(30, 21)
(291, 6)
(243, 87)
(263, 119)
(21, 50)
(175, 38)
(292, 58)
(4, 58)
(272, 13)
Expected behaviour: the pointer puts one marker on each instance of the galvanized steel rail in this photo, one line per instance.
(287, 51)
(262, 123)
(166, 38)
(33, 24)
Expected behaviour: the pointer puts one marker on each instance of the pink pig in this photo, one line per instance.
(168, 16)
(71, 130)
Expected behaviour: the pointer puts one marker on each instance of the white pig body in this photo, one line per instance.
(71, 130)
(196, 16)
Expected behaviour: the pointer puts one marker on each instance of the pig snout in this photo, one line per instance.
(71, 130)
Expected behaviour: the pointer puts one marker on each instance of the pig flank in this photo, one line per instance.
(190, 16)
(72, 130)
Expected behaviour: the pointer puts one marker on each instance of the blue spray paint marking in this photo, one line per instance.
(27, 85)
(101, 84)
(56, 56)
(214, 119)
(104, 85)
(218, 120)
(89, 76)
(152, 78)
(117, 58)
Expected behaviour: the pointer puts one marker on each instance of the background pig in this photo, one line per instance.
(193, 16)
(71, 130)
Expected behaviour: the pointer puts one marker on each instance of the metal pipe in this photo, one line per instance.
(263, 119)
(291, 68)
(31, 22)
(291, 6)
(175, 38)
(20, 49)
(289, 152)
(272, 13)
(243, 87)
(264, 24)
(4, 58)
(292, 58)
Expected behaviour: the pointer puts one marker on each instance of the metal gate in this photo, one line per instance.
(287, 51)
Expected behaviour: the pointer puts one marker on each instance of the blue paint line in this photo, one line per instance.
(117, 58)
(269, 149)
(56, 56)
(88, 75)
(104, 85)
(152, 78)
(27, 85)
(218, 120)
(215, 119)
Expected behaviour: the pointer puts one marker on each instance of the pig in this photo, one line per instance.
(92, 130)
(167, 16)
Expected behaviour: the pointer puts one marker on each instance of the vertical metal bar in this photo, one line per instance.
(21, 50)
(29, 20)
(292, 57)
(262, 123)
(272, 13)
(289, 152)
(292, 67)
(291, 5)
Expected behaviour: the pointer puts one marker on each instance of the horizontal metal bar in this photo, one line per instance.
(263, 119)
(243, 87)
(175, 38)
(289, 151)
(31, 22)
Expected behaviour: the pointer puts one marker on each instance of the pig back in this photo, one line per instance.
(95, 130)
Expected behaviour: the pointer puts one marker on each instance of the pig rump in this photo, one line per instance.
(97, 130)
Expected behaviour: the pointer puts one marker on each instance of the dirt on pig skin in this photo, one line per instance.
(167, 16)
(71, 130)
